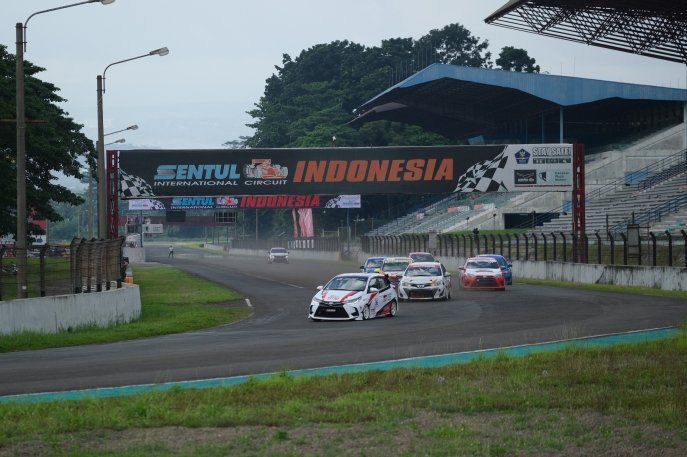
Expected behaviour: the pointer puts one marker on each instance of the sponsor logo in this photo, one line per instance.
(193, 201)
(281, 201)
(192, 172)
(373, 170)
(263, 169)
(226, 201)
(525, 176)
(551, 151)
(522, 157)
(542, 175)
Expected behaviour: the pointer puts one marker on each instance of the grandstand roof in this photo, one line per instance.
(461, 101)
(655, 28)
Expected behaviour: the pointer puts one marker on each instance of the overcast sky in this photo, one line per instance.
(221, 52)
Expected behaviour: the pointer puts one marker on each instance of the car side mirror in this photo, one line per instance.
(510, 265)
(362, 267)
(320, 287)
(376, 270)
(447, 275)
(373, 289)
(461, 268)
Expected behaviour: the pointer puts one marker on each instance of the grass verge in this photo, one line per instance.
(172, 301)
(604, 287)
(628, 397)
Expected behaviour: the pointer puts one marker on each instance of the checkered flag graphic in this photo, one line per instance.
(133, 186)
(485, 176)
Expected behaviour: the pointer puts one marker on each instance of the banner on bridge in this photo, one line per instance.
(239, 202)
(145, 174)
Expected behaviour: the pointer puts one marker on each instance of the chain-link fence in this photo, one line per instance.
(664, 249)
(82, 266)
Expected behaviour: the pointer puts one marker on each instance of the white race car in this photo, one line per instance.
(354, 296)
(425, 281)
(278, 255)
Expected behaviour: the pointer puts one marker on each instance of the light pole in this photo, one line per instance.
(22, 275)
(102, 178)
(121, 140)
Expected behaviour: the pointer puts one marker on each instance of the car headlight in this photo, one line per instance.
(351, 301)
(316, 300)
(407, 284)
(498, 275)
(470, 275)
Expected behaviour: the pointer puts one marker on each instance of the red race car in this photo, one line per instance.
(482, 273)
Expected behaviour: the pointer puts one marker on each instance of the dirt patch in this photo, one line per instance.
(559, 434)
(241, 303)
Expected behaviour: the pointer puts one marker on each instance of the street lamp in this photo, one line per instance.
(121, 140)
(133, 127)
(22, 276)
(102, 178)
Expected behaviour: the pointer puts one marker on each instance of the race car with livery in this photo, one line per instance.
(393, 268)
(354, 296)
(422, 257)
(425, 281)
(278, 255)
(482, 273)
(371, 264)
(506, 267)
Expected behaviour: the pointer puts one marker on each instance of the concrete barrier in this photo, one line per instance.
(215, 247)
(666, 278)
(135, 255)
(52, 314)
(294, 254)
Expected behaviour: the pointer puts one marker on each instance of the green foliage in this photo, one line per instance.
(513, 59)
(51, 147)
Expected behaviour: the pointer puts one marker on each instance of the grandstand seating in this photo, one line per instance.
(619, 205)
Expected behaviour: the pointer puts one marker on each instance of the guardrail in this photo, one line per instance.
(81, 267)
(329, 244)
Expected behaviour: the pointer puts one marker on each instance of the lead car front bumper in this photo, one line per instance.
(335, 311)
(424, 293)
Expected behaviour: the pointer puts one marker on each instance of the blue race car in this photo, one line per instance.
(371, 264)
(506, 267)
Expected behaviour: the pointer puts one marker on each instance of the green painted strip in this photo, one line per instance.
(430, 361)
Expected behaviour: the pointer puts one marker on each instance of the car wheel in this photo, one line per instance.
(450, 294)
(286, 261)
(502, 289)
(394, 308)
(366, 312)
(445, 297)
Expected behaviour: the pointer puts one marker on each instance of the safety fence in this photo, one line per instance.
(328, 244)
(664, 249)
(83, 266)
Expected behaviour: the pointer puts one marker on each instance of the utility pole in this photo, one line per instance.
(20, 236)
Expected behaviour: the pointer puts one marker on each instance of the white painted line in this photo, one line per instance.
(248, 303)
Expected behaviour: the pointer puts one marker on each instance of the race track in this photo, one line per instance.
(279, 335)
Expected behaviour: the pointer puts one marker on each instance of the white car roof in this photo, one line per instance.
(425, 264)
(358, 275)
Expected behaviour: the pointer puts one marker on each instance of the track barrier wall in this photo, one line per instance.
(63, 312)
(591, 258)
(334, 256)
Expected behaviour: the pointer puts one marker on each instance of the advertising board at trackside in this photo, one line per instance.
(243, 202)
(351, 171)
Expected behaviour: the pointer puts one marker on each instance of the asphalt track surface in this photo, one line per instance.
(278, 335)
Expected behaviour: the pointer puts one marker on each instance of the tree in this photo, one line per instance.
(455, 45)
(514, 59)
(55, 146)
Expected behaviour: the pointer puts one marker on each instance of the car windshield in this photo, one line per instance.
(399, 265)
(423, 271)
(486, 263)
(500, 260)
(347, 283)
(278, 251)
(374, 263)
(422, 257)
